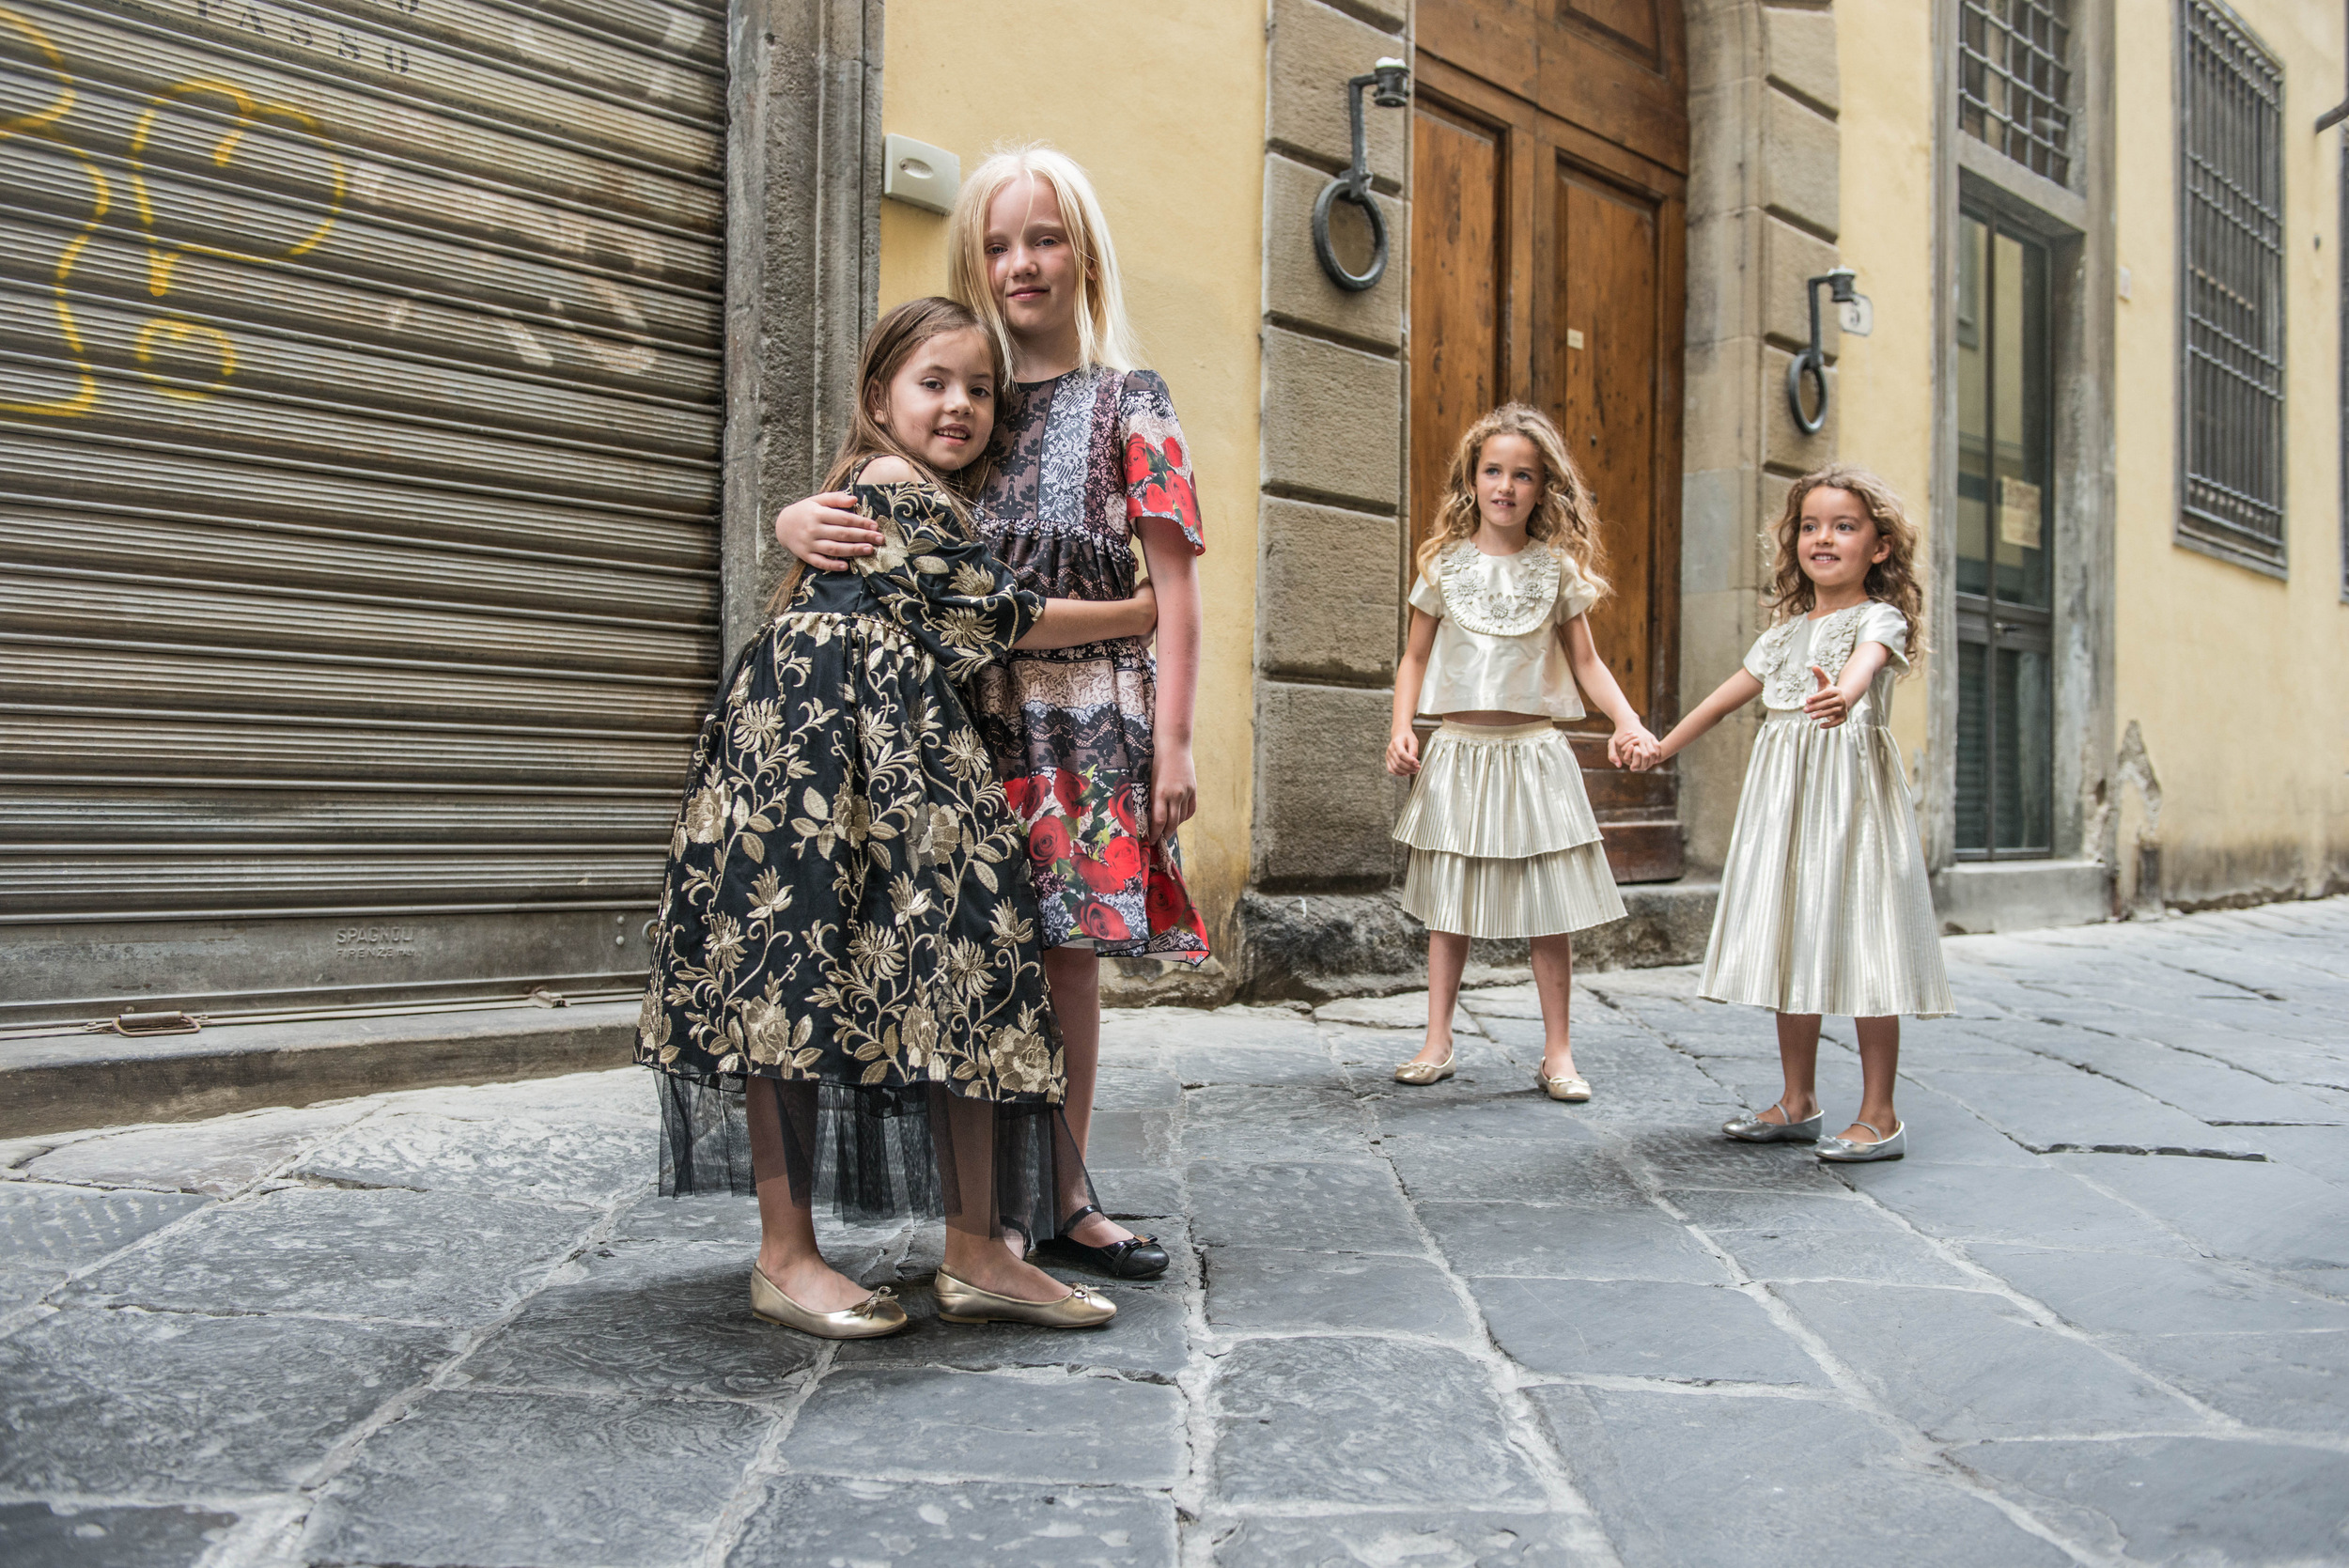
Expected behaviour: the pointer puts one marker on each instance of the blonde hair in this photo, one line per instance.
(1892, 580)
(887, 347)
(1104, 338)
(1565, 518)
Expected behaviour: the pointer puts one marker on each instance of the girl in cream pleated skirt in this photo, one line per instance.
(1825, 905)
(1501, 836)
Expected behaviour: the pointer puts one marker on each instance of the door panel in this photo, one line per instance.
(1605, 400)
(1455, 308)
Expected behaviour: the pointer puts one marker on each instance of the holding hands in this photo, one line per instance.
(1632, 746)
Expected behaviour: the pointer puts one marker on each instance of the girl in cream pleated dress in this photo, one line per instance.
(1824, 906)
(1503, 840)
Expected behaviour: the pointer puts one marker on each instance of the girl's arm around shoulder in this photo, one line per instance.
(1410, 675)
(1727, 698)
(1632, 741)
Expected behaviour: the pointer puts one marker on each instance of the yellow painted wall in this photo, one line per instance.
(1885, 380)
(1163, 104)
(2238, 681)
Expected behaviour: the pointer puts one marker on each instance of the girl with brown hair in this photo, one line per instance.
(1503, 841)
(847, 998)
(1824, 904)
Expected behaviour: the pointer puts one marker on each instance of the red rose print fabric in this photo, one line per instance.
(1080, 462)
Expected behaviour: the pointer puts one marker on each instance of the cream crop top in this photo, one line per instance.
(1780, 658)
(1497, 648)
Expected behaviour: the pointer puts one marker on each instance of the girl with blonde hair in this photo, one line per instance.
(1825, 905)
(1502, 839)
(1091, 479)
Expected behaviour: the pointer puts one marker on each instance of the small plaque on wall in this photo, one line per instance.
(2018, 513)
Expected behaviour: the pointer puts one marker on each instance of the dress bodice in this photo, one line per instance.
(1497, 648)
(1781, 659)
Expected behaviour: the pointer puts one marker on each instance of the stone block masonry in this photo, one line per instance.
(2100, 1313)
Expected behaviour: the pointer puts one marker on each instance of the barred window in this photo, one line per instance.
(2014, 79)
(2231, 299)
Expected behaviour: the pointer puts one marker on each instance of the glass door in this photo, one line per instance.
(2005, 539)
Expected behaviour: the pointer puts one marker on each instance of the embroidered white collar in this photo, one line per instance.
(1507, 603)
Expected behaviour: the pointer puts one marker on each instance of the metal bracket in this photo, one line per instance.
(1391, 79)
(1812, 361)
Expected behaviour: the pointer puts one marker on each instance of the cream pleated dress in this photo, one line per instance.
(1825, 905)
(1503, 840)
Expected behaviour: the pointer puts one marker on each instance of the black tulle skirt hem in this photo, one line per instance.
(871, 1153)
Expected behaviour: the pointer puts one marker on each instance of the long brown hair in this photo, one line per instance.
(1892, 580)
(1565, 518)
(887, 347)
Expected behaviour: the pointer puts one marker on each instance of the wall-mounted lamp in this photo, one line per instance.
(1391, 80)
(1812, 361)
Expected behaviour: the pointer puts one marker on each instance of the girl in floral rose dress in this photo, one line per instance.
(1093, 741)
(847, 942)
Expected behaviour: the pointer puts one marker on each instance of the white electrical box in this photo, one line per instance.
(920, 174)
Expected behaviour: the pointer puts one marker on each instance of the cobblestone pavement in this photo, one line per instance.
(2100, 1315)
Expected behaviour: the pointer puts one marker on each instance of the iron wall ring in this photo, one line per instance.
(1351, 282)
(1813, 363)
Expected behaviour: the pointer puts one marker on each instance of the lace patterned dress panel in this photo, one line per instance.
(1080, 461)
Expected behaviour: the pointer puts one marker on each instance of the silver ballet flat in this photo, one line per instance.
(1750, 1129)
(1841, 1151)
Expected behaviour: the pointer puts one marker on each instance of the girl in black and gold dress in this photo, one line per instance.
(847, 998)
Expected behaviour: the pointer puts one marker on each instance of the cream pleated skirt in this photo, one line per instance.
(1503, 840)
(1825, 905)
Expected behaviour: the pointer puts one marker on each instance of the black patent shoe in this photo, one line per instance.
(1138, 1257)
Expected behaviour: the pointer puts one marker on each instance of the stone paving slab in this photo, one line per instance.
(1452, 1324)
(36, 1536)
(819, 1519)
(547, 1480)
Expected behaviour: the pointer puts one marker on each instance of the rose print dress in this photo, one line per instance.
(1080, 461)
(847, 910)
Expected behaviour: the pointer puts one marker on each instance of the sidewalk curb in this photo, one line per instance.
(68, 1082)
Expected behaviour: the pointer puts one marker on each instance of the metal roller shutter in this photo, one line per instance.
(359, 414)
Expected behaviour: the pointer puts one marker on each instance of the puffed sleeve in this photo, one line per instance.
(942, 588)
(1426, 596)
(1880, 623)
(1157, 463)
(1576, 592)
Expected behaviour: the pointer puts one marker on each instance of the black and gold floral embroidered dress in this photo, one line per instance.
(847, 913)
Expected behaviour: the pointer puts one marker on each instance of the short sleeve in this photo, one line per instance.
(1158, 462)
(1576, 592)
(942, 588)
(1762, 658)
(1426, 596)
(1880, 623)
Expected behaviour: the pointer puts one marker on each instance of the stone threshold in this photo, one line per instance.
(65, 1082)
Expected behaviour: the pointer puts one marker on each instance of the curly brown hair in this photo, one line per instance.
(1566, 516)
(1893, 580)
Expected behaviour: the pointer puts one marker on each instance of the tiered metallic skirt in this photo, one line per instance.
(1503, 840)
(1824, 905)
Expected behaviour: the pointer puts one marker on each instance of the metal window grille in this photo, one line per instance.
(2014, 79)
(2231, 214)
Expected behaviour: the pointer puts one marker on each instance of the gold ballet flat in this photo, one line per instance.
(869, 1319)
(1426, 1072)
(962, 1302)
(1567, 1087)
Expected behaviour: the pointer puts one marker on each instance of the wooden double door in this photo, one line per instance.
(1548, 174)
